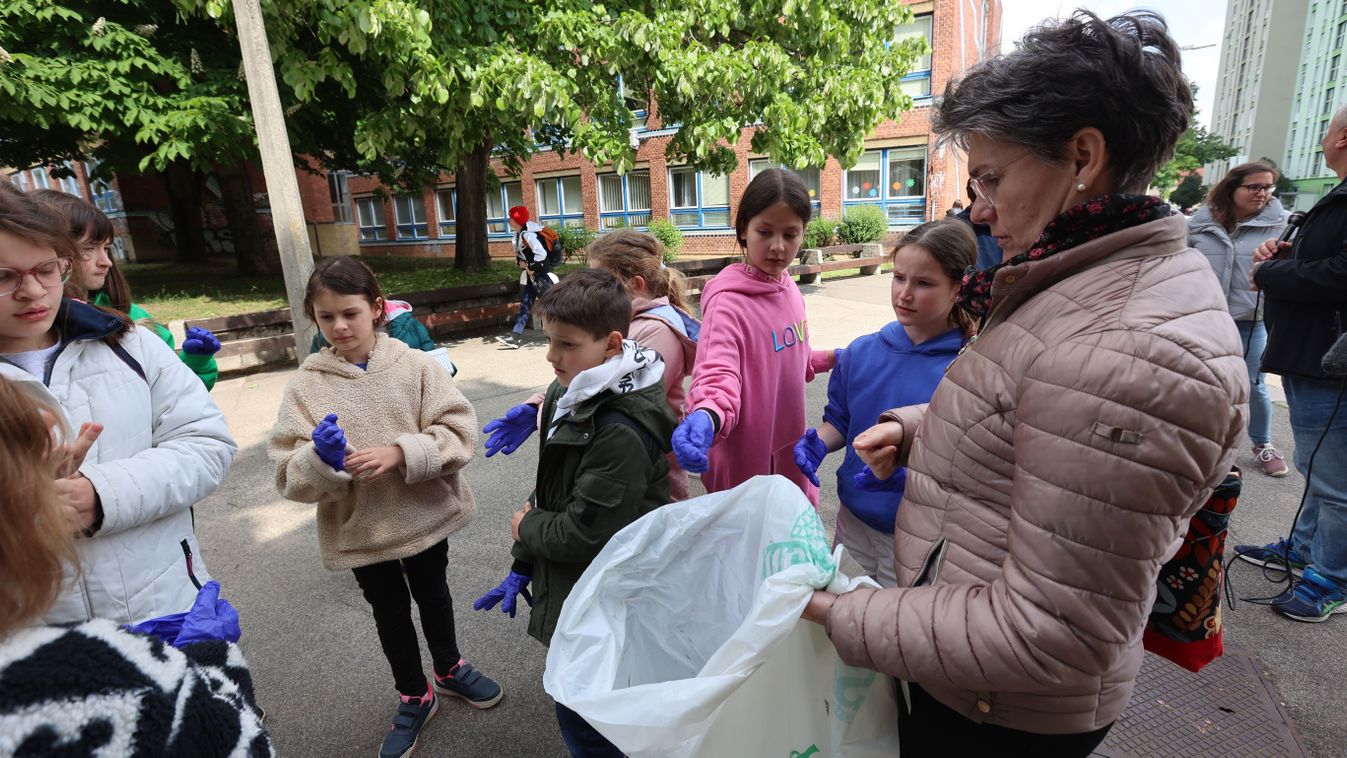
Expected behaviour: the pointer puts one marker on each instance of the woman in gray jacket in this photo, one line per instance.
(1239, 213)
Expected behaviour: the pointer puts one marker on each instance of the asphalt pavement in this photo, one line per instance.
(310, 640)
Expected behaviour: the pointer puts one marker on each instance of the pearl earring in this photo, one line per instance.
(1080, 187)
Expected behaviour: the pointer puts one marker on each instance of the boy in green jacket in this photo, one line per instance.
(605, 432)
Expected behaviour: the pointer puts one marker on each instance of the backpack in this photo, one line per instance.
(551, 242)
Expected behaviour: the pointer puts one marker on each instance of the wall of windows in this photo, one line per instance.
(624, 200)
(892, 178)
(698, 200)
(809, 175)
(560, 202)
(498, 203)
(917, 82)
(370, 215)
(409, 215)
(446, 206)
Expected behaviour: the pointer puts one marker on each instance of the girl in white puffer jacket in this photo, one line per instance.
(164, 446)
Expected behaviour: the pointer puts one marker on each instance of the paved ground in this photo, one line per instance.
(310, 640)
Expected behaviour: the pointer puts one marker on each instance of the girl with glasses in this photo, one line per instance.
(164, 443)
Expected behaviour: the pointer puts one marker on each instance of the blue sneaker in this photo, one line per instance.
(468, 683)
(413, 713)
(1273, 555)
(1316, 598)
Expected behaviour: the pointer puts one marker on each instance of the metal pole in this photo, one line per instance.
(287, 212)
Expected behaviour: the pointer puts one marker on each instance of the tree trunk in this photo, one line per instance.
(470, 250)
(184, 197)
(250, 250)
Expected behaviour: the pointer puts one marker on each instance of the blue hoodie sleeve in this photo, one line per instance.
(837, 412)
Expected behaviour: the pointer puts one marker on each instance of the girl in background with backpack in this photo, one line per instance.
(537, 250)
(659, 321)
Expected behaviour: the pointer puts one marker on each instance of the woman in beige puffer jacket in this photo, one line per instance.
(1056, 467)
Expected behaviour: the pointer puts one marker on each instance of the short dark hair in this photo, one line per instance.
(1121, 76)
(769, 187)
(1221, 199)
(343, 275)
(591, 299)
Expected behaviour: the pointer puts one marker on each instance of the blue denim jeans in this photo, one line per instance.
(583, 740)
(1260, 405)
(1321, 531)
(526, 296)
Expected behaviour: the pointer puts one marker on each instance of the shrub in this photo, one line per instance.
(576, 239)
(863, 223)
(664, 230)
(820, 232)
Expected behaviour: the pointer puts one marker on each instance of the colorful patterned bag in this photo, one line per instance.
(1185, 623)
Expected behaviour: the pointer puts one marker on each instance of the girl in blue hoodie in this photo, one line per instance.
(899, 365)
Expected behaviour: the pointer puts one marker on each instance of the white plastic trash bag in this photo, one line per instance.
(684, 636)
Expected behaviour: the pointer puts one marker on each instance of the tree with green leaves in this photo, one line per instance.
(405, 89)
(134, 85)
(1189, 193)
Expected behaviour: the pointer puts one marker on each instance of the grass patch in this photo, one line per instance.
(846, 273)
(171, 291)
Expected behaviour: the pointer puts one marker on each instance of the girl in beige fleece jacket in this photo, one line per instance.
(376, 434)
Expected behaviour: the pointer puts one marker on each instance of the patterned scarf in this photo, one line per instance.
(1090, 220)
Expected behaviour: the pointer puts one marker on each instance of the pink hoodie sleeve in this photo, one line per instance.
(717, 380)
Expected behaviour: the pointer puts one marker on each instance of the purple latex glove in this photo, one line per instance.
(507, 433)
(330, 441)
(866, 480)
(200, 342)
(809, 453)
(692, 439)
(210, 619)
(514, 584)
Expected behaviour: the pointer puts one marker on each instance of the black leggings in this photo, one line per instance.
(934, 729)
(385, 586)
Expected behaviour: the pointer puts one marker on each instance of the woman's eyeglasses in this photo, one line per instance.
(984, 184)
(1258, 189)
(49, 274)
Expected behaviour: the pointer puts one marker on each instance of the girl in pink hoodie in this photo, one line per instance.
(659, 317)
(747, 396)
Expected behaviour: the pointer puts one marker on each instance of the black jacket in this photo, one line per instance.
(596, 475)
(1307, 291)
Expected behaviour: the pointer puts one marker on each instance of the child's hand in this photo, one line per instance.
(371, 463)
(507, 433)
(514, 585)
(518, 517)
(878, 447)
(692, 439)
(809, 453)
(200, 342)
(330, 442)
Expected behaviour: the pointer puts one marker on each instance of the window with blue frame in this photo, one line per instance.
(892, 178)
(369, 213)
(917, 83)
(104, 196)
(809, 175)
(698, 200)
(498, 202)
(446, 203)
(409, 215)
(559, 201)
(624, 199)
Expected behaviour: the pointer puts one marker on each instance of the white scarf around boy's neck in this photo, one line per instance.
(635, 368)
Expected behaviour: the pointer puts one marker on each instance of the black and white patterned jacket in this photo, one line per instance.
(94, 689)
